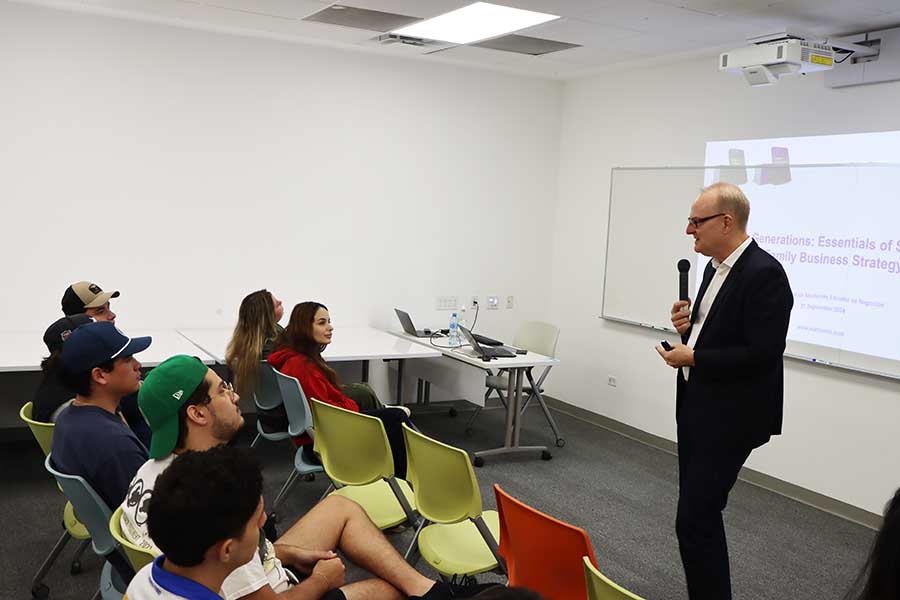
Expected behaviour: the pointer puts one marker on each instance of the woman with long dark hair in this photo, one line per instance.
(880, 576)
(298, 353)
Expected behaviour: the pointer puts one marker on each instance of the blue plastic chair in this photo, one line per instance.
(299, 422)
(93, 512)
(267, 396)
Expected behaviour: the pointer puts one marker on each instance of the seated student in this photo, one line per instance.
(87, 298)
(298, 353)
(200, 551)
(879, 578)
(251, 343)
(190, 408)
(52, 395)
(90, 438)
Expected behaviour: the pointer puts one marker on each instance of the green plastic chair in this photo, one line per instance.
(600, 587)
(461, 538)
(43, 434)
(357, 458)
(137, 556)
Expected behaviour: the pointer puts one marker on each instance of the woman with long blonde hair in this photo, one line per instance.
(252, 340)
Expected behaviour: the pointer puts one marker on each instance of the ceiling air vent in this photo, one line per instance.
(360, 18)
(523, 44)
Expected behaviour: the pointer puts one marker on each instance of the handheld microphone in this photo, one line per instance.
(684, 266)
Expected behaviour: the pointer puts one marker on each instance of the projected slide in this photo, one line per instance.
(835, 227)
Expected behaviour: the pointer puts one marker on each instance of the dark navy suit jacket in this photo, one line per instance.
(734, 395)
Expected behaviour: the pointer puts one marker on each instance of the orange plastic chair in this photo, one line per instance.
(542, 553)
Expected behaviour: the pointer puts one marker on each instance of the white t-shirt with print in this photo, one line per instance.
(264, 568)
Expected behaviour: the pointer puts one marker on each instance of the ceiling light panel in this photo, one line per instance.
(475, 22)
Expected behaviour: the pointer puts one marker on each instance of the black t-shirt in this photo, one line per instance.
(97, 445)
(50, 395)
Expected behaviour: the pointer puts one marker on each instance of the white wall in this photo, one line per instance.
(840, 428)
(187, 169)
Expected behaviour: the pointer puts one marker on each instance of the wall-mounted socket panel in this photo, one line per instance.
(473, 302)
(611, 381)
(509, 302)
(446, 303)
(493, 302)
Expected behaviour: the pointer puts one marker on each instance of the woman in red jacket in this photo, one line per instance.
(298, 353)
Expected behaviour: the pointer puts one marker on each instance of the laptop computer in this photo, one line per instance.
(483, 352)
(408, 327)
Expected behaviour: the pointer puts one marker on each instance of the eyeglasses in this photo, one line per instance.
(698, 221)
(227, 388)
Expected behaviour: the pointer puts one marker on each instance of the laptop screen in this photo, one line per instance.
(475, 345)
(405, 321)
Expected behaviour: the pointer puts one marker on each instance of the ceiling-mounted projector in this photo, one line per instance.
(764, 63)
(769, 57)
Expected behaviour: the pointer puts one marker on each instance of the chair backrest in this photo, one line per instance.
(42, 432)
(300, 418)
(442, 478)
(354, 447)
(537, 336)
(542, 553)
(600, 587)
(267, 394)
(137, 556)
(91, 510)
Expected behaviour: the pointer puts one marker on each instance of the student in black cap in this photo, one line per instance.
(52, 394)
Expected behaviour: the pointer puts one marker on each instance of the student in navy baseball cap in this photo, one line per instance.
(91, 439)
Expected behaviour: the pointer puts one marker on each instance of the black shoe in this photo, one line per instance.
(270, 530)
(467, 586)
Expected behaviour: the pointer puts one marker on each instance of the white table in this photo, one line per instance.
(349, 344)
(518, 367)
(165, 344)
(24, 350)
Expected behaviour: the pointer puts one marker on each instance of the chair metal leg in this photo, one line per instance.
(411, 515)
(412, 553)
(488, 538)
(51, 558)
(536, 392)
(75, 567)
(255, 440)
(284, 490)
(97, 595)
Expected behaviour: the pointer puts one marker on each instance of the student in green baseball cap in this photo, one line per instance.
(190, 408)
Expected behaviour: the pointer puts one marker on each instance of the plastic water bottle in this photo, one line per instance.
(453, 337)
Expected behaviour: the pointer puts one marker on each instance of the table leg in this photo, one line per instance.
(513, 424)
(400, 382)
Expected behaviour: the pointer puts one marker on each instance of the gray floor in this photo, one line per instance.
(622, 492)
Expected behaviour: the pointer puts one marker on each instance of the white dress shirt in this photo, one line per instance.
(722, 270)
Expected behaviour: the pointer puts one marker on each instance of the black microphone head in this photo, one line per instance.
(684, 265)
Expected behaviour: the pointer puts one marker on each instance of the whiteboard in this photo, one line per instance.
(843, 310)
(648, 211)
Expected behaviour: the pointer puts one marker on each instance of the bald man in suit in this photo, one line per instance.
(730, 378)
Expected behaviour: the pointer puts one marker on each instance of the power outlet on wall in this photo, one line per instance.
(473, 302)
(446, 303)
(509, 302)
(493, 302)
(611, 381)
